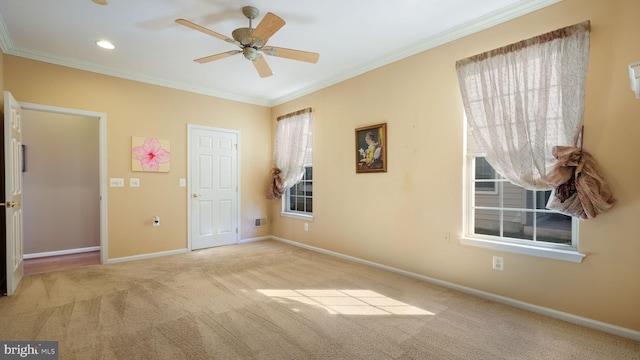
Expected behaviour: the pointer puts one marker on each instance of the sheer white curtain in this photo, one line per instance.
(526, 98)
(290, 151)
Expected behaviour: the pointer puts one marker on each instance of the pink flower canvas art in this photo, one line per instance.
(150, 154)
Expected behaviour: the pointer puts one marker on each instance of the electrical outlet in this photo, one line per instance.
(306, 227)
(446, 237)
(498, 263)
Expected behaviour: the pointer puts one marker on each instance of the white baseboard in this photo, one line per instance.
(579, 320)
(146, 256)
(60, 252)
(244, 241)
(174, 252)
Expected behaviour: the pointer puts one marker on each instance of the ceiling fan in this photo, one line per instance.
(251, 41)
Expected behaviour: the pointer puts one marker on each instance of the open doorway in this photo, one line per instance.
(63, 182)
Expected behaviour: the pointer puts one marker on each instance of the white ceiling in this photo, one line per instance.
(352, 37)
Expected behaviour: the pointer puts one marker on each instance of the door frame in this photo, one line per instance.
(190, 128)
(102, 159)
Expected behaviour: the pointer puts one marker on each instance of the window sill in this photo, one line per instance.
(556, 254)
(297, 216)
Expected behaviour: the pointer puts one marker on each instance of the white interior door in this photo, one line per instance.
(213, 187)
(13, 190)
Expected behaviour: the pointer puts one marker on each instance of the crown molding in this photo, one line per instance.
(449, 35)
(522, 8)
(91, 67)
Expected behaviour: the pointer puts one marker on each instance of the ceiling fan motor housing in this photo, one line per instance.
(243, 36)
(249, 45)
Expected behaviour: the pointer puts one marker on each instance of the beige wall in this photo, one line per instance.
(61, 198)
(397, 218)
(2, 81)
(137, 109)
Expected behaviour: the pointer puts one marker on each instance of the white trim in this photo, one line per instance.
(296, 215)
(102, 139)
(60, 252)
(250, 240)
(516, 10)
(498, 17)
(574, 319)
(129, 75)
(147, 256)
(191, 127)
(549, 253)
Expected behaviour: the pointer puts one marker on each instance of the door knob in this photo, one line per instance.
(10, 204)
(195, 195)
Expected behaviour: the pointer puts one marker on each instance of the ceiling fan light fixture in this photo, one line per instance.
(101, 2)
(105, 44)
(250, 53)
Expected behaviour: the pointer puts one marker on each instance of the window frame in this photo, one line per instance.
(286, 199)
(521, 246)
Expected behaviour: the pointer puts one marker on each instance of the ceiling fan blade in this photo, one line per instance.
(299, 55)
(223, 55)
(203, 29)
(261, 65)
(267, 27)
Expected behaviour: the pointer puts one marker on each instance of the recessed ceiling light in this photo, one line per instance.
(105, 44)
(101, 2)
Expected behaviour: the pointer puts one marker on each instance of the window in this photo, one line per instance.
(522, 101)
(484, 171)
(298, 200)
(300, 196)
(512, 213)
(506, 217)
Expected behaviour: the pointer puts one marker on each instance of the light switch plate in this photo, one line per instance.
(183, 182)
(116, 182)
(134, 182)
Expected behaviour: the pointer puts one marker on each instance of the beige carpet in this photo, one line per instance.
(268, 300)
